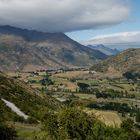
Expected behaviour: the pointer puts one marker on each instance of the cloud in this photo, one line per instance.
(63, 15)
(117, 40)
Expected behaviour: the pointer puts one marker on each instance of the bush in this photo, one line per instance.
(70, 124)
(74, 124)
(138, 117)
(127, 124)
(7, 133)
(31, 120)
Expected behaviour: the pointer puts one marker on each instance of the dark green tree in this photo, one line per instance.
(127, 125)
(138, 117)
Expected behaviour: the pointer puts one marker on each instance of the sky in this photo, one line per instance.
(63, 15)
(82, 20)
(131, 24)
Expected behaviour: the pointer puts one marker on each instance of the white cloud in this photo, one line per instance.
(63, 15)
(117, 40)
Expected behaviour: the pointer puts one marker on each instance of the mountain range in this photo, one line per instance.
(27, 50)
(106, 50)
(126, 61)
(121, 41)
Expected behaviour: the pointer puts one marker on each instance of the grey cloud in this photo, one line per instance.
(121, 41)
(63, 15)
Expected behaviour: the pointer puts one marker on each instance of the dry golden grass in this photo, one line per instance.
(108, 117)
(71, 74)
(71, 86)
(85, 96)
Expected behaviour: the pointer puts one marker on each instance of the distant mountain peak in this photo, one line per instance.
(30, 35)
(104, 49)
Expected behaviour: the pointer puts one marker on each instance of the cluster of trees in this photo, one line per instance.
(86, 88)
(102, 95)
(83, 87)
(110, 93)
(46, 81)
(132, 76)
(120, 107)
(74, 124)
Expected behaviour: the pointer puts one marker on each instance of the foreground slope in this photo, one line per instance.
(26, 50)
(128, 60)
(29, 101)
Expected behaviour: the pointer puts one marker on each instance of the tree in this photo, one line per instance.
(131, 75)
(127, 124)
(74, 124)
(138, 117)
(83, 87)
(71, 123)
(7, 133)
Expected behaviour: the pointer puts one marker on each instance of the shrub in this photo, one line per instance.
(74, 124)
(7, 133)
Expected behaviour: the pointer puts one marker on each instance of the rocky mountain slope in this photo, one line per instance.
(128, 60)
(26, 50)
(104, 49)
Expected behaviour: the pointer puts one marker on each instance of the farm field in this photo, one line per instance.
(100, 90)
(67, 81)
(108, 117)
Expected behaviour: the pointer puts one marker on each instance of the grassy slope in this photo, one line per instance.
(128, 60)
(30, 101)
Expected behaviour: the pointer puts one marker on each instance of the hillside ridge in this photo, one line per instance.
(30, 50)
(128, 60)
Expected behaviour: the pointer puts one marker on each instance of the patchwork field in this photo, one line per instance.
(63, 85)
